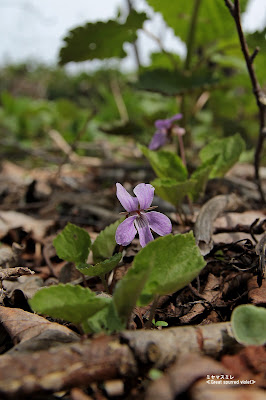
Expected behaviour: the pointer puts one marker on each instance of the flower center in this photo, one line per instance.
(142, 221)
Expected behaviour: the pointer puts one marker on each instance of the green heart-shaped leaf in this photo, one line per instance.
(165, 164)
(249, 324)
(71, 303)
(73, 244)
(227, 152)
(104, 245)
(163, 266)
(173, 191)
(175, 261)
(101, 39)
(102, 268)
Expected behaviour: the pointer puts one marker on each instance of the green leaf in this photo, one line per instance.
(249, 324)
(227, 152)
(214, 20)
(73, 244)
(101, 268)
(165, 164)
(172, 261)
(165, 60)
(173, 83)
(68, 302)
(163, 266)
(160, 323)
(104, 245)
(155, 374)
(173, 191)
(200, 178)
(128, 290)
(106, 320)
(101, 39)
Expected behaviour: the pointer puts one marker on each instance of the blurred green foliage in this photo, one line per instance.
(212, 89)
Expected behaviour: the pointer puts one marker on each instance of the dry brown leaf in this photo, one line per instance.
(249, 363)
(209, 212)
(28, 285)
(10, 256)
(210, 294)
(22, 325)
(14, 272)
(13, 220)
(257, 295)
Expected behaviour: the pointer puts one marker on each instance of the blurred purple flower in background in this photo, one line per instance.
(136, 218)
(163, 130)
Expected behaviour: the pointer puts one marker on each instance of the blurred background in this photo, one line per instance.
(33, 30)
(100, 91)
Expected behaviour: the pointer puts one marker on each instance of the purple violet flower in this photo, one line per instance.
(163, 128)
(137, 219)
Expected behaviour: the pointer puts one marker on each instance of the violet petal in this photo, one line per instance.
(159, 223)
(129, 202)
(163, 124)
(158, 140)
(144, 193)
(126, 231)
(144, 231)
(175, 117)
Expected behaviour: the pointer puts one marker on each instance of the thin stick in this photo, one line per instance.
(190, 46)
(135, 46)
(182, 149)
(104, 282)
(191, 34)
(119, 101)
(152, 311)
(259, 95)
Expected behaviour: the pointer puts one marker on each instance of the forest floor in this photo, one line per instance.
(195, 357)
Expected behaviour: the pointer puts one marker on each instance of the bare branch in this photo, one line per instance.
(230, 6)
(253, 55)
(259, 95)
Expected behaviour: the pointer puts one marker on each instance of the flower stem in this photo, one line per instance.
(182, 149)
(104, 282)
(152, 311)
(192, 33)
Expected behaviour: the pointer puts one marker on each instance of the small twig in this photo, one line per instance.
(253, 55)
(152, 311)
(260, 251)
(14, 272)
(161, 46)
(46, 257)
(105, 284)
(259, 95)
(182, 149)
(119, 101)
(70, 150)
(71, 155)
